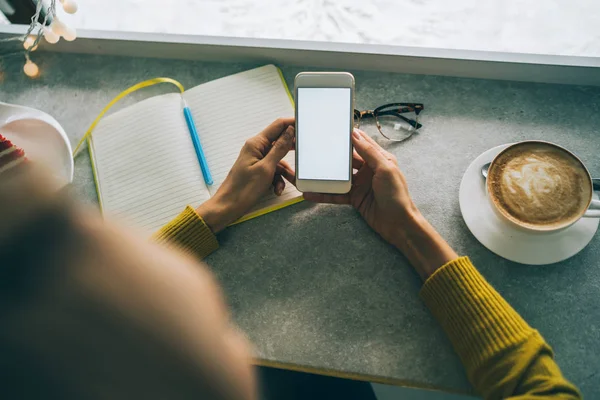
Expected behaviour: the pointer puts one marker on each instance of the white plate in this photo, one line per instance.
(509, 242)
(41, 137)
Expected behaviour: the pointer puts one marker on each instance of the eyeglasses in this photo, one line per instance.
(395, 121)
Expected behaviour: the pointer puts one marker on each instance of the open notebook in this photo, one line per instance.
(144, 162)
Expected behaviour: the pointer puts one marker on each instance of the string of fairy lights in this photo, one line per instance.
(39, 30)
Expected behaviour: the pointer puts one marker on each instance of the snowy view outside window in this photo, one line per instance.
(565, 27)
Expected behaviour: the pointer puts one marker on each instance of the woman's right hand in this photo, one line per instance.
(379, 192)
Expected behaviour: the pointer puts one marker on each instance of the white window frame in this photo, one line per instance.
(345, 56)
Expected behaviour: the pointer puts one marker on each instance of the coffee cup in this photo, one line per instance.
(540, 187)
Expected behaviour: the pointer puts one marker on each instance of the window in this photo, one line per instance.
(559, 27)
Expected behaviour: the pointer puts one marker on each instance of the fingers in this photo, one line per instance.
(282, 146)
(370, 140)
(385, 153)
(368, 149)
(327, 198)
(284, 169)
(277, 127)
(285, 165)
(278, 184)
(357, 161)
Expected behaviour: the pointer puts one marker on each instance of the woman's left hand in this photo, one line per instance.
(259, 168)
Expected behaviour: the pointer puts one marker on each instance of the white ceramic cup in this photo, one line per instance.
(42, 138)
(592, 210)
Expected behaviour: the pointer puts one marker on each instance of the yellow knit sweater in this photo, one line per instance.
(504, 357)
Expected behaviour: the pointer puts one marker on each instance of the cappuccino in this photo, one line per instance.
(540, 186)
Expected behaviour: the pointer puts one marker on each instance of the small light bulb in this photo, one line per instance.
(50, 36)
(29, 41)
(69, 34)
(31, 69)
(58, 26)
(70, 6)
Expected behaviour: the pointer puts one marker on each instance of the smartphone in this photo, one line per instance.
(324, 122)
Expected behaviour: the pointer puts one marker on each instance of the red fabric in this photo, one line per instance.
(4, 143)
(6, 159)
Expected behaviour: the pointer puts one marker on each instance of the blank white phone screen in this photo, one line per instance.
(323, 137)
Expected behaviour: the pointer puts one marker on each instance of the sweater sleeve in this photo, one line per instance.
(504, 357)
(189, 232)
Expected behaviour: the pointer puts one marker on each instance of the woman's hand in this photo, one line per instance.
(379, 190)
(380, 194)
(259, 168)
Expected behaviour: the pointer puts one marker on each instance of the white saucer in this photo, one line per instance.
(41, 137)
(502, 238)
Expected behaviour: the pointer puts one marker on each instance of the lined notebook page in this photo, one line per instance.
(230, 110)
(146, 166)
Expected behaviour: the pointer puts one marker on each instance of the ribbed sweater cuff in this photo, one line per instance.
(478, 321)
(190, 232)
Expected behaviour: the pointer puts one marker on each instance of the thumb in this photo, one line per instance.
(368, 150)
(282, 146)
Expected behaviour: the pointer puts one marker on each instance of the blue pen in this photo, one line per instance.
(196, 140)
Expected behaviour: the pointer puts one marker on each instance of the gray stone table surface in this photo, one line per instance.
(312, 285)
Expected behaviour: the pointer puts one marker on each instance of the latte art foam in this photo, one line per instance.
(539, 185)
(535, 178)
